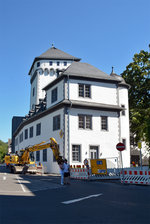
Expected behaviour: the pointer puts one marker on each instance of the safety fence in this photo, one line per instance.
(135, 176)
(127, 176)
(84, 173)
(79, 173)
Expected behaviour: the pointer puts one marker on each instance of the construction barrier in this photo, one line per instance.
(79, 173)
(112, 174)
(40, 170)
(131, 176)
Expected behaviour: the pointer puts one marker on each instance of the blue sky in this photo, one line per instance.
(104, 33)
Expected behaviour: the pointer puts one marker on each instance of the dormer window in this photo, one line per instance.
(50, 63)
(58, 63)
(38, 64)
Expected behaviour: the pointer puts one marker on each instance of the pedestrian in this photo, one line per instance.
(66, 172)
(61, 166)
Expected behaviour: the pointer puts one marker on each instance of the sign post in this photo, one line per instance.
(120, 147)
(140, 146)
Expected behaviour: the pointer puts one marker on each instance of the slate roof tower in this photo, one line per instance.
(45, 68)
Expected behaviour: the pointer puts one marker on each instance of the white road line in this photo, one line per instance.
(80, 199)
(21, 185)
(4, 178)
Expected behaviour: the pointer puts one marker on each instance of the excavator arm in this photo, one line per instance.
(24, 158)
(53, 145)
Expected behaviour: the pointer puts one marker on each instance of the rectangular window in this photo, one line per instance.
(81, 121)
(16, 141)
(123, 111)
(45, 155)
(50, 63)
(104, 123)
(84, 90)
(76, 153)
(65, 63)
(87, 91)
(56, 122)
(26, 133)
(93, 152)
(58, 63)
(38, 64)
(81, 90)
(54, 95)
(37, 155)
(85, 121)
(21, 137)
(88, 122)
(31, 132)
(38, 129)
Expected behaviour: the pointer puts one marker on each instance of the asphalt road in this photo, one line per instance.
(42, 200)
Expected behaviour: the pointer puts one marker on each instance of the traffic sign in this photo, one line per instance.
(120, 146)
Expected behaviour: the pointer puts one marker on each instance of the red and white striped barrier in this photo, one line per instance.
(136, 177)
(79, 173)
(40, 170)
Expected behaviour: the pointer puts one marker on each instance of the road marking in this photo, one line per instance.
(80, 199)
(21, 184)
(4, 178)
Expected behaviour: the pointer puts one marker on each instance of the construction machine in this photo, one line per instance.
(23, 161)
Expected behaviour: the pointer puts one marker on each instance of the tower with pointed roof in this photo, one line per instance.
(45, 68)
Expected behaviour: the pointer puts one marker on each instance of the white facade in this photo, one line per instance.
(41, 76)
(101, 92)
(118, 129)
(46, 133)
(107, 99)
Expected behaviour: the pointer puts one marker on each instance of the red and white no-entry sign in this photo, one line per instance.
(120, 146)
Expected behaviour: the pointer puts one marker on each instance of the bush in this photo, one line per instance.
(3, 150)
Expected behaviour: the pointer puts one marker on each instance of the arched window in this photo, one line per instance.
(46, 71)
(52, 72)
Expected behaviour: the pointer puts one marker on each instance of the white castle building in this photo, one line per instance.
(83, 108)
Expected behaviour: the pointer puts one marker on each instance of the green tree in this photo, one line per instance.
(3, 150)
(137, 75)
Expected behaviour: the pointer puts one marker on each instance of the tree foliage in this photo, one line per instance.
(3, 150)
(137, 75)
